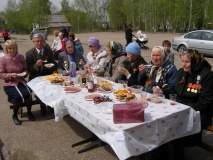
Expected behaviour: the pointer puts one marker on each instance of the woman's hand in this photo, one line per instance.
(142, 69)
(157, 90)
(13, 75)
(123, 71)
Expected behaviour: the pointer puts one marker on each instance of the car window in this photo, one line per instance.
(207, 36)
(193, 35)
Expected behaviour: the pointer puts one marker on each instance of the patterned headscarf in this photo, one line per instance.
(197, 59)
(115, 47)
(117, 51)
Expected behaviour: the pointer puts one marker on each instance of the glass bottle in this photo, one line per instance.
(90, 83)
(83, 79)
(81, 64)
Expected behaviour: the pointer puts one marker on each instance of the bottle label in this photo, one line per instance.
(72, 74)
(83, 80)
(90, 85)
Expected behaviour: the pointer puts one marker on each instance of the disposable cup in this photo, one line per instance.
(173, 98)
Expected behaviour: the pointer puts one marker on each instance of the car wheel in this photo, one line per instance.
(182, 48)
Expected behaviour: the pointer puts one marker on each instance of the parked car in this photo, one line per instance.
(44, 32)
(14, 31)
(202, 40)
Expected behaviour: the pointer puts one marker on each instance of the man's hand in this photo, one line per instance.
(39, 63)
(13, 75)
(157, 90)
(142, 69)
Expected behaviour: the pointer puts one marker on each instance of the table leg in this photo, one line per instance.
(93, 138)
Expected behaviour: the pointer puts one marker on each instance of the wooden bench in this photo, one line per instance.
(34, 102)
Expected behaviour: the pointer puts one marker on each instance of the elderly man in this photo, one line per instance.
(36, 58)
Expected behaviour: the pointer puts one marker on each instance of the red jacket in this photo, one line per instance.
(5, 34)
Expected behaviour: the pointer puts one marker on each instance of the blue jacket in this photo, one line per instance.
(166, 78)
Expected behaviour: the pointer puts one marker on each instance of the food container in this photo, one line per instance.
(128, 113)
(157, 98)
(135, 89)
(106, 107)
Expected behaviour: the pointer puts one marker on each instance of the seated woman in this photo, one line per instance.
(134, 56)
(193, 87)
(15, 84)
(116, 58)
(160, 74)
(97, 55)
(69, 55)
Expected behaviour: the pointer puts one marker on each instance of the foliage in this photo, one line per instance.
(150, 15)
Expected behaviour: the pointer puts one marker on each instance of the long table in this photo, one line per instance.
(163, 122)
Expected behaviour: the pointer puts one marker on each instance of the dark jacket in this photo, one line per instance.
(32, 57)
(166, 79)
(64, 57)
(134, 71)
(199, 99)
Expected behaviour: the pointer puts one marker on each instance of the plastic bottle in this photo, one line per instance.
(72, 70)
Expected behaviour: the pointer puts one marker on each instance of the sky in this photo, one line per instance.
(57, 3)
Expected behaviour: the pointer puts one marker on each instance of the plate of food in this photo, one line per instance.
(22, 74)
(72, 89)
(105, 89)
(49, 65)
(57, 80)
(55, 74)
(49, 78)
(90, 97)
(125, 97)
(120, 91)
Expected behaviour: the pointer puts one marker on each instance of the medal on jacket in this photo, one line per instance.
(195, 88)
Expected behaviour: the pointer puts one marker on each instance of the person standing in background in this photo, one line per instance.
(167, 46)
(5, 35)
(128, 33)
(56, 40)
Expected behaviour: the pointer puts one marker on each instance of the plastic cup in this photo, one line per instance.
(124, 83)
(173, 98)
(144, 96)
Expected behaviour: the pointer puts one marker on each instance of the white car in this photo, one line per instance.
(202, 40)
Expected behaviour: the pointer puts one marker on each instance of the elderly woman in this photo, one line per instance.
(97, 55)
(69, 55)
(193, 87)
(13, 70)
(160, 75)
(134, 56)
(116, 58)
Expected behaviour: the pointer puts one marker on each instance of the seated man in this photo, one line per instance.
(35, 59)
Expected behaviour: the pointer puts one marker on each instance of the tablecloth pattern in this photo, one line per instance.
(163, 122)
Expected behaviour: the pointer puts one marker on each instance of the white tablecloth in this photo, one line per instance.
(163, 122)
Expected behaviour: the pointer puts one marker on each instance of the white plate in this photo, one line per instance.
(105, 91)
(49, 65)
(77, 89)
(22, 74)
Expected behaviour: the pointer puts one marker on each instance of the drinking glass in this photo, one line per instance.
(173, 98)
(144, 96)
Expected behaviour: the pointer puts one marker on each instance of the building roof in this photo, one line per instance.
(58, 21)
